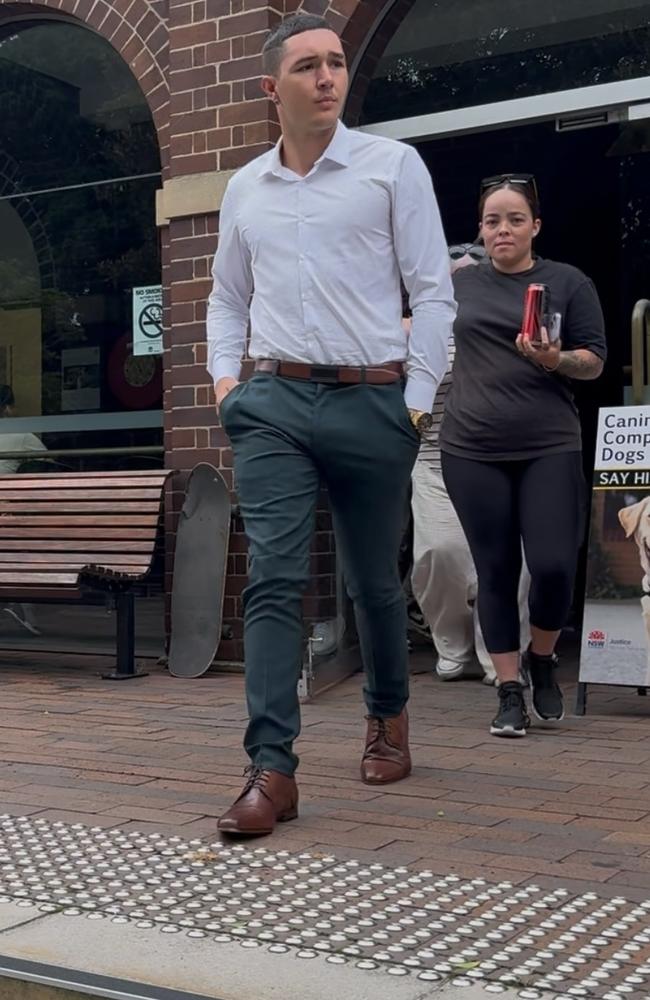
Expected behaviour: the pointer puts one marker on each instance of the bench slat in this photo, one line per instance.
(28, 573)
(161, 474)
(56, 495)
(80, 482)
(104, 521)
(15, 538)
(58, 592)
(55, 550)
(98, 507)
(84, 558)
(53, 579)
(28, 570)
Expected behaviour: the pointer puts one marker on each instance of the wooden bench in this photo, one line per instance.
(64, 535)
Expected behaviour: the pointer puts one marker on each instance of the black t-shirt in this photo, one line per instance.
(501, 405)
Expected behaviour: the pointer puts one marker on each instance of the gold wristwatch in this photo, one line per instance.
(422, 420)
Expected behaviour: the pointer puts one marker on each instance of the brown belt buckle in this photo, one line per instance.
(324, 373)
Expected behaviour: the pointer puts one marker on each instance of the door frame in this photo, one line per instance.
(624, 100)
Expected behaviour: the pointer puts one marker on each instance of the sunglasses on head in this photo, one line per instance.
(526, 180)
(474, 250)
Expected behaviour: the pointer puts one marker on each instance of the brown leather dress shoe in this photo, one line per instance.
(386, 757)
(269, 797)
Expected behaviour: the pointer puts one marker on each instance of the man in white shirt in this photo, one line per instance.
(314, 236)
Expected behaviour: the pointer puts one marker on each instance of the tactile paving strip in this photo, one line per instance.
(395, 920)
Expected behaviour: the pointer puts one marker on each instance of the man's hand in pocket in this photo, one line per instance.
(222, 388)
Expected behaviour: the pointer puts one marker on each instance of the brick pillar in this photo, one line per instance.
(219, 120)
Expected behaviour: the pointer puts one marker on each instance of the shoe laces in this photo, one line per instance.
(381, 731)
(511, 696)
(256, 777)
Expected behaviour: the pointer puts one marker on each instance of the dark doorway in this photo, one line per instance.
(595, 212)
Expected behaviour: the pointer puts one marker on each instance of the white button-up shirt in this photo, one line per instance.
(315, 263)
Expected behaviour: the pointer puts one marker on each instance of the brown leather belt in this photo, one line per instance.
(392, 371)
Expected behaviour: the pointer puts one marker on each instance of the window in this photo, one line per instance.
(448, 55)
(79, 168)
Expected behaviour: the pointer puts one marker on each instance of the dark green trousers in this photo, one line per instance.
(287, 437)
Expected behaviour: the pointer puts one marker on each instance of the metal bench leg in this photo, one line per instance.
(125, 636)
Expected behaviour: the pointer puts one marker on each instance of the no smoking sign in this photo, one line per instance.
(147, 320)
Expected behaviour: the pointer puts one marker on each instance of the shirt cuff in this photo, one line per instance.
(225, 368)
(420, 392)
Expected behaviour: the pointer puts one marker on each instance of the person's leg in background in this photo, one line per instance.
(366, 447)
(482, 655)
(443, 577)
(485, 495)
(552, 503)
(268, 422)
(417, 629)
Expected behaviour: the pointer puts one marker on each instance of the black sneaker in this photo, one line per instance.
(548, 703)
(512, 718)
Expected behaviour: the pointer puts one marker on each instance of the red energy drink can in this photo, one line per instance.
(535, 311)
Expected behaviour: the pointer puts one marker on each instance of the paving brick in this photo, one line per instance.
(21, 809)
(135, 812)
(72, 816)
(206, 828)
(500, 813)
(168, 757)
(400, 822)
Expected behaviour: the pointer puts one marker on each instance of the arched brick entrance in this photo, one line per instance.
(135, 29)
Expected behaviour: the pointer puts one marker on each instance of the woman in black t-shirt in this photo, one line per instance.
(510, 441)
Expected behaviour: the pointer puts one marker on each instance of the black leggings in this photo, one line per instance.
(539, 501)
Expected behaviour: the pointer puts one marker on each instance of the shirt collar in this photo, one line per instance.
(339, 148)
(338, 152)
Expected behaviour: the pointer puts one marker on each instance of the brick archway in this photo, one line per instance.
(135, 30)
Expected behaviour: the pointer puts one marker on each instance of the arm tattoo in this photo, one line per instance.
(580, 364)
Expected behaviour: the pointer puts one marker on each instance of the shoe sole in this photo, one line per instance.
(285, 818)
(507, 731)
(385, 781)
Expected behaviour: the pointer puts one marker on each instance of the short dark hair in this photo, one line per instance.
(296, 24)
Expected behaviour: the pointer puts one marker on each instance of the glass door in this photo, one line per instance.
(77, 235)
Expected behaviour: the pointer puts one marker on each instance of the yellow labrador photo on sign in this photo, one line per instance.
(636, 523)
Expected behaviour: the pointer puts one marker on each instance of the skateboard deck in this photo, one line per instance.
(199, 577)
